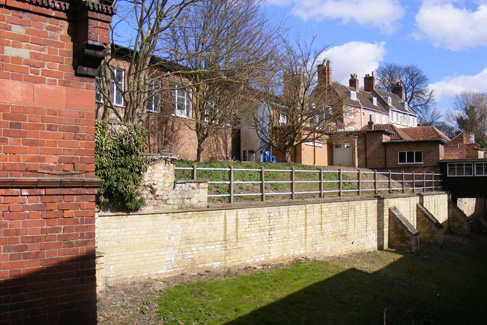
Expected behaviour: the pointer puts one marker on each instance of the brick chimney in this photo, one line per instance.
(369, 82)
(398, 89)
(324, 73)
(353, 82)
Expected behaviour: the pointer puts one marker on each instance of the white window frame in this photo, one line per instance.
(460, 170)
(315, 143)
(353, 95)
(118, 78)
(408, 155)
(483, 168)
(183, 97)
(153, 102)
(384, 118)
(98, 93)
(282, 119)
(350, 113)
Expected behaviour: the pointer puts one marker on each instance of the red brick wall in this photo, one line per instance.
(432, 153)
(47, 183)
(371, 150)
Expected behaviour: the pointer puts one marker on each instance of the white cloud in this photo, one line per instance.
(382, 14)
(449, 87)
(355, 57)
(452, 27)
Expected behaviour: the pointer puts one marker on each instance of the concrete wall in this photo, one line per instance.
(162, 244)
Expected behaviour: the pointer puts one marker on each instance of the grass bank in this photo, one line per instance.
(305, 181)
(444, 286)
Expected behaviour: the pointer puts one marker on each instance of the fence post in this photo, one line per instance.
(193, 172)
(390, 182)
(375, 182)
(293, 188)
(424, 181)
(432, 181)
(414, 182)
(321, 182)
(230, 186)
(359, 183)
(340, 182)
(262, 183)
(403, 183)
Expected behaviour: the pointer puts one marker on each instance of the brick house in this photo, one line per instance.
(377, 130)
(359, 107)
(463, 146)
(49, 53)
(170, 118)
(388, 147)
(419, 149)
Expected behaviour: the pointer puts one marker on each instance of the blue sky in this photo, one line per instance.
(447, 39)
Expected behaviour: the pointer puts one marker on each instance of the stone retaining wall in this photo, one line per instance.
(160, 244)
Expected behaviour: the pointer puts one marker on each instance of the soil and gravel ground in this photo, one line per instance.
(121, 304)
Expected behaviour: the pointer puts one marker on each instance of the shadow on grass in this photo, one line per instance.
(437, 287)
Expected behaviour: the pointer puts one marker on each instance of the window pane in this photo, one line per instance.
(418, 156)
(452, 169)
(481, 169)
(460, 169)
(402, 157)
(410, 157)
(468, 169)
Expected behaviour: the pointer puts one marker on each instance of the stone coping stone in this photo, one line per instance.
(260, 204)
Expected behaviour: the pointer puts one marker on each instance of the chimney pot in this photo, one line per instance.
(353, 82)
(369, 82)
(324, 73)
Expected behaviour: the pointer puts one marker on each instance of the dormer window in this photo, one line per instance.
(471, 138)
(353, 95)
(388, 100)
(374, 101)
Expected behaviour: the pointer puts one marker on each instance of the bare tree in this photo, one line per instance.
(145, 21)
(471, 114)
(224, 44)
(416, 92)
(294, 108)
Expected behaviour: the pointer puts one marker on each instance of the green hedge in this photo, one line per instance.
(119, 161)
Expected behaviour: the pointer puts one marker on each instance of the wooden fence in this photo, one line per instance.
(302, 183)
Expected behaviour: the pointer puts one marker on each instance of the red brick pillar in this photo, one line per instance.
(49, 52)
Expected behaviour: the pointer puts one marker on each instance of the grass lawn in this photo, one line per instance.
(270, 176)
(438, 286)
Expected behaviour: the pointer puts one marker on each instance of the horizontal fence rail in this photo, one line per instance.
(231, 183)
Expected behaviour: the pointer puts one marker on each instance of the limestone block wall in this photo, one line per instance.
(438, 208)
(472, 207)
(458, 221)
(431, 231)
(161, 192)
(168, 243)
(402, 234)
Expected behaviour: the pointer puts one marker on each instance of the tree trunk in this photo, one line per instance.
(199, 151)
(287, 155)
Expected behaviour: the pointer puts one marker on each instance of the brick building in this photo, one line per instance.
(339, 144)
(49, 53)
(170, 119)
(419, 149)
